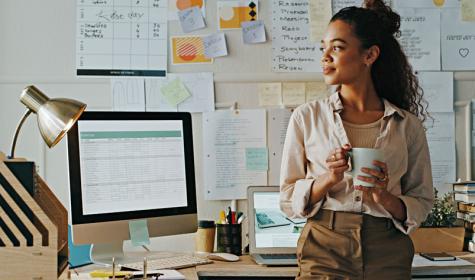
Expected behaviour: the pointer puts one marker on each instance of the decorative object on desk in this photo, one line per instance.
(79, 255)
(228, 238)
(439, 233)
(204, 239)
(34, 235)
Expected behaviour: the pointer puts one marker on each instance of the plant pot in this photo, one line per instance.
(444, 239)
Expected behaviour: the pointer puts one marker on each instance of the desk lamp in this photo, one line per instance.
(36, 222)
(55, 116)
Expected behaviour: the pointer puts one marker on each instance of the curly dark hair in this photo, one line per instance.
(392, 75)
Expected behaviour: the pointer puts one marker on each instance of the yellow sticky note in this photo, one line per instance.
(293, 93)
(468, 10)
(315, 91)
(270, 94)
(175, 92)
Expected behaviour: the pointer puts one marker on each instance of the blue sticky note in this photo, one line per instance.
(256, 159)
(139, 232)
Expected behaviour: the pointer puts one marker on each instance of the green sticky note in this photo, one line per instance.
(256, 159)
(175, 92)
(139, 232)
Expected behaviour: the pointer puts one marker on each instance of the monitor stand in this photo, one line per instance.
(102, 253)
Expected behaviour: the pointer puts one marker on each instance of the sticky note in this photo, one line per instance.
(256, 159)
(175, 92)
(215, 45)
(270, 94)
(253, 32)
(315, 91)
(293, 93)
(468, 10)
(191, 19)
(139, 232)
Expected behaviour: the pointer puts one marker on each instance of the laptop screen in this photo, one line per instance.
(272, 228)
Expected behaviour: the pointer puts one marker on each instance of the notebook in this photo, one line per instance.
(272, 236)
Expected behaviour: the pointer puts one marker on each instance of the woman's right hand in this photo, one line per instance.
(337, 164)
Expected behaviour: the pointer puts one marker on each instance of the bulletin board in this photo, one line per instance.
(247, 76)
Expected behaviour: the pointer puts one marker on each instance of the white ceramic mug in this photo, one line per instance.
(364, 157)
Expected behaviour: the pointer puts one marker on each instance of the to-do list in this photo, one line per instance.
(292, 50)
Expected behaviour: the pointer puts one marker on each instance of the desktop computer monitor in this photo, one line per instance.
(127, 166)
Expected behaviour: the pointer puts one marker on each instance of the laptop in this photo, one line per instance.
(272, 236)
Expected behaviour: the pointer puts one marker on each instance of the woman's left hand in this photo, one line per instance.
(378, 177)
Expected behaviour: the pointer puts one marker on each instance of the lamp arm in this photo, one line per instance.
(17, 131)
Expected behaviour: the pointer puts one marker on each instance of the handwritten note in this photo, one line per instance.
(215, 45)
(191, 19)
(270, 94)
(139, 232)
(320, 12)
(468, 10)
(421, 45)
(175, 92)
(253, 32)
(121, 38)
(293, 93)
(174, 6)
(458, 41)
(257, 159)
(292, 50)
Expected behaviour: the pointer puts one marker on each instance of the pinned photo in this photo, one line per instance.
(188, 50)
(232, 13)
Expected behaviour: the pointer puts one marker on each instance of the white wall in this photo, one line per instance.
(37, 46)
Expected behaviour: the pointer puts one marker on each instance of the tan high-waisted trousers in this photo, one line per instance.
(343, 245)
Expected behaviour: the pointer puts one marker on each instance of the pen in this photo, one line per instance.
(241, 219)
(113, 268)
(233, 217)
(108, 274)
(222, 217)
(229, 215)
(145, 268)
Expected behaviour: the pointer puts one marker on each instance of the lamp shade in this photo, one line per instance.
(55, 116)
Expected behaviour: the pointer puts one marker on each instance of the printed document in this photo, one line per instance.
(226, 136)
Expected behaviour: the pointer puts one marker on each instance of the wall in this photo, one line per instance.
(37, 46)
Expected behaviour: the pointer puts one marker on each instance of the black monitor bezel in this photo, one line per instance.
(75, 172)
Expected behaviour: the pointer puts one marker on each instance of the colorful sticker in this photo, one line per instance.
(232, 13)
(188, 50)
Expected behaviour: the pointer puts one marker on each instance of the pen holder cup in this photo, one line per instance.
(228, 238)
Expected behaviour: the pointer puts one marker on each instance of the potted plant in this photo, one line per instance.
(439, 232)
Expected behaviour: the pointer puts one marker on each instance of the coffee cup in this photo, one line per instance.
(363, 157)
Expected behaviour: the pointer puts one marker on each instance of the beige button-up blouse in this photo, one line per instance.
(316, 128)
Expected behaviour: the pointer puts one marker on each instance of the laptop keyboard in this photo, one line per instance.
(279, 256)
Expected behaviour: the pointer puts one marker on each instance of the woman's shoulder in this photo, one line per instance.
(313, 107)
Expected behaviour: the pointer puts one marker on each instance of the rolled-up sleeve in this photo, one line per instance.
(417, 192)
(295, 188)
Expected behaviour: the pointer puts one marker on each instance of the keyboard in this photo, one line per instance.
(172, 262)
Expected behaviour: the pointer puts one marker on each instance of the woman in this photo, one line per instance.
(356, 232)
